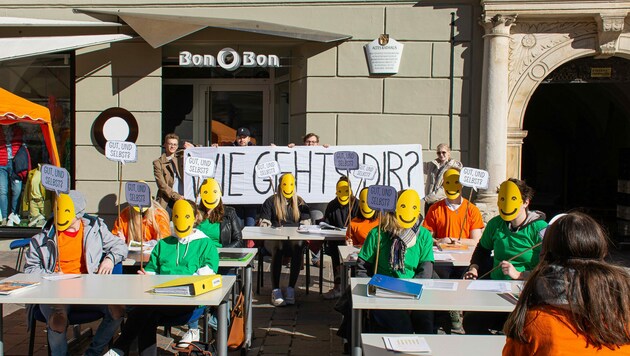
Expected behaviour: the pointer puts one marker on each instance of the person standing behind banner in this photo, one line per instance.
(434, 171)
(338, 214)
(131, 223)
(574, 302)
(514, 231)
(219, 222)
(284, 208)
(83, 245)
(406, 251)
(168, 171)
(363, 223)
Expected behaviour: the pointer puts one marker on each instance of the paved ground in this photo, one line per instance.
(307, 328)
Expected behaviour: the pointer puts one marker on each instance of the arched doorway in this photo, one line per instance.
(578, 141)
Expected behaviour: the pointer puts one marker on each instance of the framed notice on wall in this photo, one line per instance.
(383, 55)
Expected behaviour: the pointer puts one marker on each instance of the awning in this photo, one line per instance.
(159, 30)
(28, 22)
(19, 47)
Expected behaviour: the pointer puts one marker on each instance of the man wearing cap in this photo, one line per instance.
(75, 243)
(243, 137)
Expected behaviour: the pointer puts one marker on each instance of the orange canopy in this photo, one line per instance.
(14, 109)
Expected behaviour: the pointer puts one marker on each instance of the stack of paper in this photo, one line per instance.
(490, 286)
(410, 344)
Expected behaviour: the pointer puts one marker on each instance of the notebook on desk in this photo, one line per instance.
(390, 287)
(234, 256)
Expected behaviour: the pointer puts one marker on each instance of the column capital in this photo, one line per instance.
(498, 25)
(609, 28)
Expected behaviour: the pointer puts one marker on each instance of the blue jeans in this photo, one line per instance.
(16, 188)
(247, 214)
(57, 341)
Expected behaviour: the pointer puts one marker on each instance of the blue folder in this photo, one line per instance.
(390, 287)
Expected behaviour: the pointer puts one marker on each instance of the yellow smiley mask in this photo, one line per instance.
(287, 185)
(210, 193)
(343, 192)
(510, 200)
(408, 208)
(366, 211)
(65, 212)
(183, 218)
(452, 186)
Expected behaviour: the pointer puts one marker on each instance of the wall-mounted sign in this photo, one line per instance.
(115, 124)
(604, 72)
(228, 59)
(383, 55)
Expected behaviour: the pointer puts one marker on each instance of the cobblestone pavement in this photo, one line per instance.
(307, 328)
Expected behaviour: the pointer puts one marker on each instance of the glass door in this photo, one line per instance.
(230, 107)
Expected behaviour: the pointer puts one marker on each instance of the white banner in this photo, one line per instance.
(399, 166)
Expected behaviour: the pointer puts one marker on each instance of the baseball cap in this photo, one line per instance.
(243, 131)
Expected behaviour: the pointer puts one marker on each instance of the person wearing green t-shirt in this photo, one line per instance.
(405, 250)
(515, 232)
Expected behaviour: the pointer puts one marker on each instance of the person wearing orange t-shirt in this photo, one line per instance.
(75, 243)
(363, 223)
(155, 223)
(454, 219)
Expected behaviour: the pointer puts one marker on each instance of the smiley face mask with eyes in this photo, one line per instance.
(408, 208)
(287, 185)
(452, 186)
(366, 211)
(509, 201)
(65, 212)
(343, 192)
(210, 193)
(183, 218)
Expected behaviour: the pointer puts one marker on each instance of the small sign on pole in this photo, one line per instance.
(55, 179)
(138, 194)
(382, 197)
(267, 169)
(346, 160)
(121, 151)
(365, 172)
(199, 167)
(474, 178)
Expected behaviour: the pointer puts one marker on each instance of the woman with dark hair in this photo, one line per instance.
(404, 250)
(284, 208)
(515, 232)
(219, 222)
(574, 302)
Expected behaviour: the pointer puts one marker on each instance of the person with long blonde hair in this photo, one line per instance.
(285, 208)
(574, 302)
(153, 220)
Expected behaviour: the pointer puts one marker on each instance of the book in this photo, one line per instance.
(390, 287)
(10, 287)
(189, 286)
(412, 344)
(453, 247)
(234, 256)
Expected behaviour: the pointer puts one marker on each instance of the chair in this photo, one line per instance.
(76, 318)
(21, 245)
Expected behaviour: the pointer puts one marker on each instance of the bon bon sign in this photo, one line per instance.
(382, 197)
(55, 179)
(474, 178)
(121, 151)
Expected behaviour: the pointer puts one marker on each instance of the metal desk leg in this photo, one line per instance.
(321, 270)
(356, 333)
(260, 272)
(344, 277)
(248, 306)
(222, 329)
(2, 331)
(307, 256)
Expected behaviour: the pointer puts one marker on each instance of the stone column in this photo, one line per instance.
(494, 104)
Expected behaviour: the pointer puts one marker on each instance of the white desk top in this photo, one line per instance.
(441, 345)
(244, 263)
(345, 251)
(461, 258)
(115, 289)
(289, 233)
(461, 299)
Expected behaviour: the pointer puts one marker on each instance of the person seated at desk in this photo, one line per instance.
(406, 251)
(363, 223)
(515, 232)
(188, 253)
(217, 221)
(75, 243)
(574, 302)
(284, 208)
(454, 219)
(131, 223)
(338, 213)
